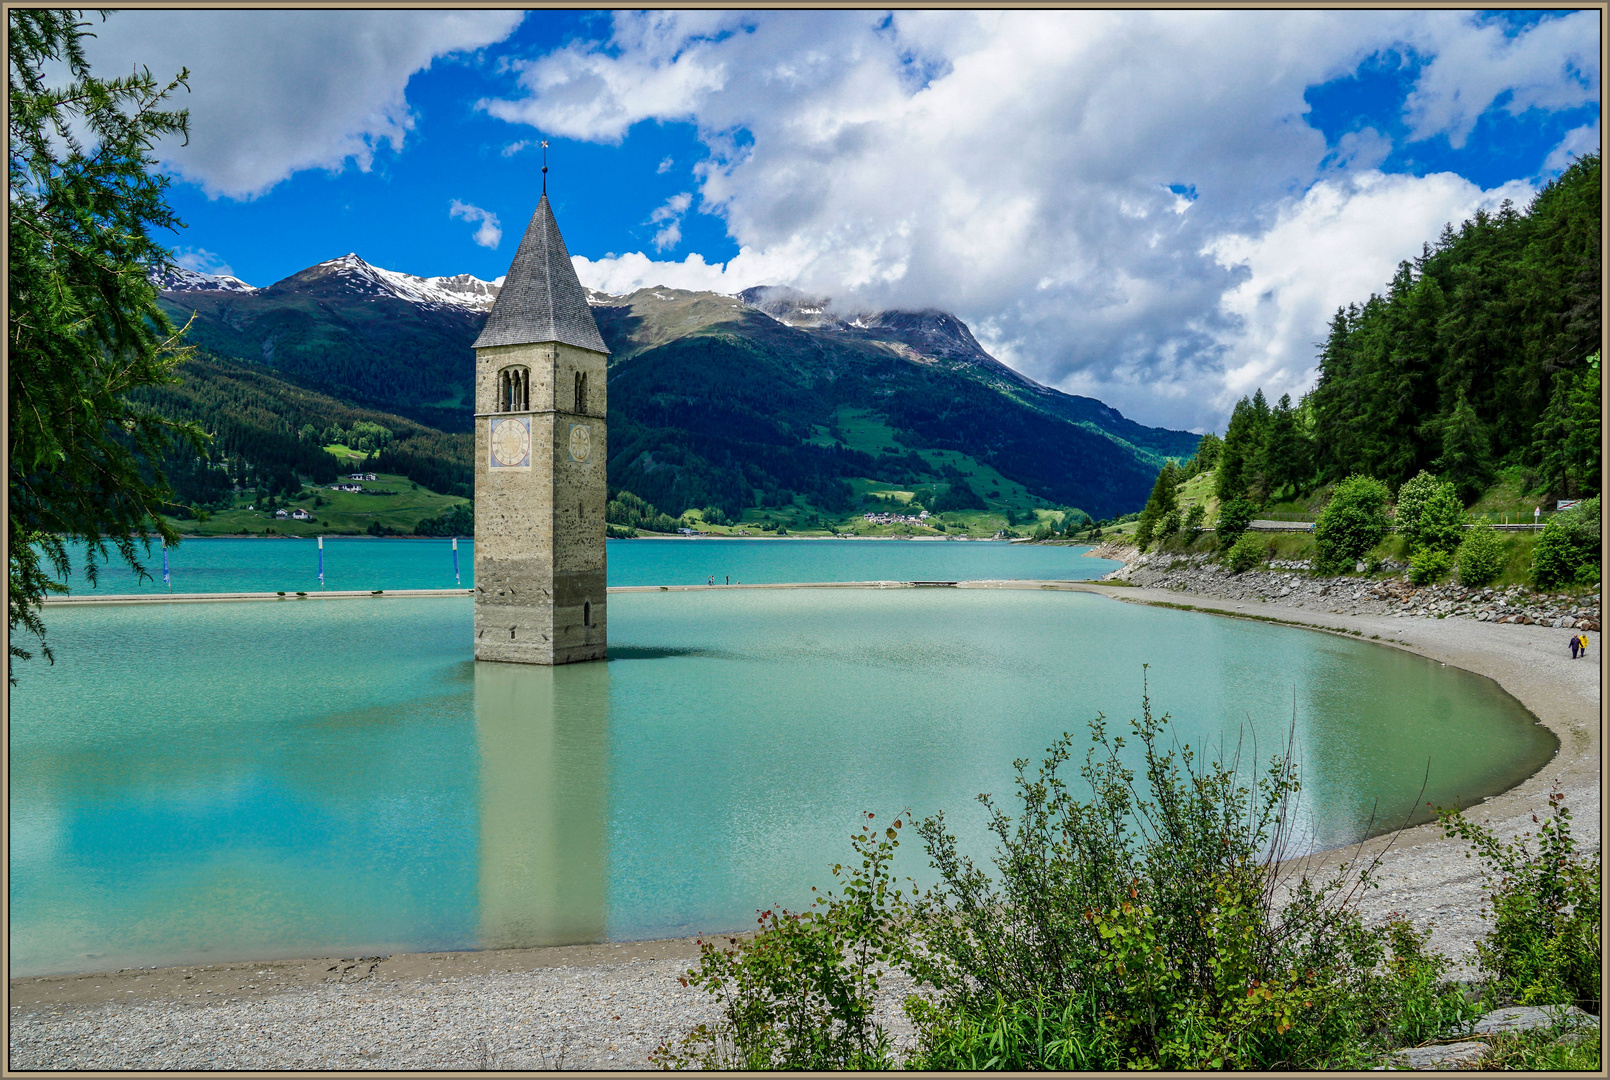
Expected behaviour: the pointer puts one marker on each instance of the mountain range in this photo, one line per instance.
(767, 397)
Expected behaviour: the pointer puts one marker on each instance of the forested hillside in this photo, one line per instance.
(266, 431)
(1481, 356)
(715, 401)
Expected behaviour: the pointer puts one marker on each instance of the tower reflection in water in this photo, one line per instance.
(544, 742)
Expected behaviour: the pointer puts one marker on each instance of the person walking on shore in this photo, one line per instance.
(1584, 640)
(1576, 645)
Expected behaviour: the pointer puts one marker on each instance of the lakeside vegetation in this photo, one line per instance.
(1156, 922)
(1467, 395)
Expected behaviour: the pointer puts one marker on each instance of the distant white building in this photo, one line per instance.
(301, 515)
(282, 513)
(361, 476)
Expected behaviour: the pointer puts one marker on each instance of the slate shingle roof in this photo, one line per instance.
(541, 299)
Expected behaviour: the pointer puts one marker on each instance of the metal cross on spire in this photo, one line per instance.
(545, 166)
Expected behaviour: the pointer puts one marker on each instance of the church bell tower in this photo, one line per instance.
(540, 439)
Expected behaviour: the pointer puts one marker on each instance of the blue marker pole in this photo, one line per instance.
(321, 564)
(456, 579)
(167, 579)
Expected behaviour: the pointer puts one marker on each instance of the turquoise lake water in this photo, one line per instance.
(210, 782)
(259, 565)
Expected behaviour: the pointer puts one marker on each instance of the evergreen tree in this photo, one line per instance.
(1239, 458)
(1158, 506)
(83, 327)
(1466, 458)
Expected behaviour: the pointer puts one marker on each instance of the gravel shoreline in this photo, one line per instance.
(608, 1006)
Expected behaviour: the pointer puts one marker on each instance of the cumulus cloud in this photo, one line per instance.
(202, 261)
(276, 92)
(1029, 170)
(669, 234)
(1358, 229)
(1552, 65)
(490, 233)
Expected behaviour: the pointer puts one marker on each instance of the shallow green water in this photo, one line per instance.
(208, 782)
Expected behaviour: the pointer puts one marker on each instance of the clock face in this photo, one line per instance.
(511, 443)
(581, 442)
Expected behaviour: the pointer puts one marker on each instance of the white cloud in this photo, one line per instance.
(1552, 65)
(1577, 142)
(490, 234)
(276, 92)
(202, 261)
(665, 166)
(670, 234)
(1015, 167)
(1357, 229)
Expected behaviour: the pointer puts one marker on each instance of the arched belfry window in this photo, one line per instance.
(514, 389)
(581, 392)
(587, 613)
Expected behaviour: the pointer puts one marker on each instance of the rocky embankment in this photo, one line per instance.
(1292, 584)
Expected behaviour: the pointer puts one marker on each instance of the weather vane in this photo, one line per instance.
(545, 166)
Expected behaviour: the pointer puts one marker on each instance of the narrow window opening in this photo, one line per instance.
(581, 393)
(587, 613)
(511, 633)
(514, 390)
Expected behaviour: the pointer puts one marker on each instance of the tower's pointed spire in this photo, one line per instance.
(541, 299)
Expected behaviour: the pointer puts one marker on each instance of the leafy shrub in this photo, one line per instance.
(799, 994)
(1353, 521)
(1157, 925)
(1234, 517)
(1169, 525)
(1193, 520)
(1428, 565)
(1544, 948)
(1411, 501)
(1568, 548)
(1481, 557)
(1245, 553)
(1143, 929)
(1441, 524)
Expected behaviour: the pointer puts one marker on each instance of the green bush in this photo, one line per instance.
(1411, 501)
(1544, 948)
(1481, 557)
(1428, 565)
(799, 994)
(1144, 929)
(1442, 518)
(1155, 923)
(1245, 553)
(1193, 521)
(1169, 525)
(1568, 548)
(1353, 521)
(1234, 517)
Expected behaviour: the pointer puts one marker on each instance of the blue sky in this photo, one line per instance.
(1159, 209)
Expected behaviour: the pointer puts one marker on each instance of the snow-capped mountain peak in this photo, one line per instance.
(178, 279)
(360, 276)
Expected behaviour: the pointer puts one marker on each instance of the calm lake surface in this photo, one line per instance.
(260, 565)
(208, 782)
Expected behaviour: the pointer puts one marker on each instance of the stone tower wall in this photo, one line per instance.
(540, 571)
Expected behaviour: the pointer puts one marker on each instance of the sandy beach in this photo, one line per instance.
(607, 1006)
